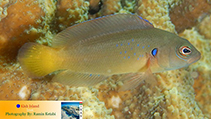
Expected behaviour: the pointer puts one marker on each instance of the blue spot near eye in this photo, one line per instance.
(131, 48)
(116, 45)
(132, 39)
(90, 75)
(134, 53)
(128, 43)
(125, 51)
(120, 52)
(121, 44)
(154, 51)
(128, 57)
(148, 45)
(137, 58)
(98, 75)
(137, 44)
(143, 47)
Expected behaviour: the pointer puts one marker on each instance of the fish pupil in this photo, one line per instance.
(186, 50)
(154, 51)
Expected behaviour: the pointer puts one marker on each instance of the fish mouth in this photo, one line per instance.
(194, 59)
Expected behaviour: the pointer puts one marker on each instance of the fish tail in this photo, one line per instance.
(37, 60)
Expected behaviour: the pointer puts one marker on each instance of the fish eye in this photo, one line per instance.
(154, 51)
(184, 50)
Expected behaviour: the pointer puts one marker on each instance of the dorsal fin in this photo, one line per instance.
(99, 26)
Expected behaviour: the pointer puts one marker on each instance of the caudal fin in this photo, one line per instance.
(37, 60)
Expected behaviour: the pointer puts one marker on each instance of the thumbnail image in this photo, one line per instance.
(70, 110)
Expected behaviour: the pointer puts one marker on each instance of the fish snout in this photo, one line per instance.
(194, 59)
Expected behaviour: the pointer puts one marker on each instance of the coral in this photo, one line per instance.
(110, 7)
(203, 71)
(13, 84)
(3, 8)
(204, 27)
(95, 6)
(187, 12)
(128, 6)
(157, 12)
(168, 99)
(22, 21)
(182, 93)
(70, 12)
(203, 91)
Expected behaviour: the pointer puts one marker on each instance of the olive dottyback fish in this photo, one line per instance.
(89, 52)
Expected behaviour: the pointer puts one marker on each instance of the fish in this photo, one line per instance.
(122, 44)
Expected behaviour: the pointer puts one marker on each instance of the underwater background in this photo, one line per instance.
(183, 93)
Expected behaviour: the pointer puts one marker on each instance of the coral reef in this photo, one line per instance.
(157, 12)
(203, 72)
(14, 84)
(187, 12)
(182, 93)
(204, 27)
(95, 6)
(70, 12)
(22, 21)
(171, 98)
(110, 7)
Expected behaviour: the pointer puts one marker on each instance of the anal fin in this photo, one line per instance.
(70, 78)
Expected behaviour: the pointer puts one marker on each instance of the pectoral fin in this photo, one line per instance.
(132, 80)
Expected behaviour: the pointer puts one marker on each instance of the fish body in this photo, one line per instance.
(125, 44)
